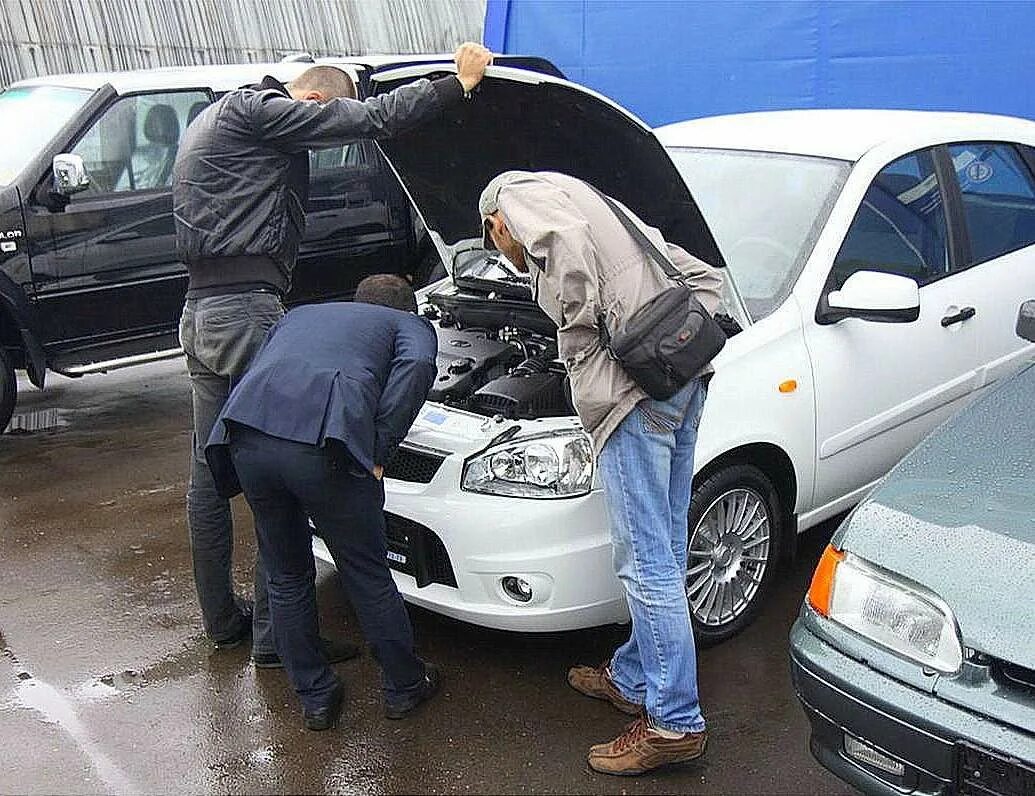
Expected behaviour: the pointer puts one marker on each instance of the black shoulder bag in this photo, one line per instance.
(671, 338)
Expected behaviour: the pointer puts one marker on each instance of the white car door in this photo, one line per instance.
(997, 201)
(880, 387)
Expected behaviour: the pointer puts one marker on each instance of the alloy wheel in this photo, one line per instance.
(728, 554)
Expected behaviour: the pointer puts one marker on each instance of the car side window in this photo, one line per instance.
(133, 145)
(900, 227)
(998, 193)
(329, 174)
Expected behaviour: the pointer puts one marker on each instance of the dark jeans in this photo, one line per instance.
(286, 483)
(220, 335)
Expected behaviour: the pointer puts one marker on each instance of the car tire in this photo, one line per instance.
(8, 389)
(730, 572)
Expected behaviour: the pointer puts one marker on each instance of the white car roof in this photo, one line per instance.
(841, 134)
(220, 77)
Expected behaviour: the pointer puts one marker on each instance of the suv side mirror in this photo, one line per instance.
(1026, 321)
(874, 296)
(70, 175)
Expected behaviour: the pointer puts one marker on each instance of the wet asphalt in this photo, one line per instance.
(107, 683)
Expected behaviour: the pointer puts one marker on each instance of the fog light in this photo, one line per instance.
(517, 588)
(866, 754)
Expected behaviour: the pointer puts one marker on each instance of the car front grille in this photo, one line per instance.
(416, 550)
(985, 773)
(1015, 675)
(413, 466)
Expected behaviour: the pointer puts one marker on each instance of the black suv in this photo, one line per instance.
(89, 279)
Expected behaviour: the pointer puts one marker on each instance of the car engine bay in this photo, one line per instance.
(497, 350)
(495, 368)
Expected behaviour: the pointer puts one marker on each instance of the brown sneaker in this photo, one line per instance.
(595, 682)
(639, 749)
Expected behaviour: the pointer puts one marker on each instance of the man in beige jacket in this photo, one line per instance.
(586, 268)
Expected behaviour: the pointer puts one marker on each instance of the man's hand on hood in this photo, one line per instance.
(471, 60)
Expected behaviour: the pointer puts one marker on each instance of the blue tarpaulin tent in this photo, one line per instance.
(675, 60)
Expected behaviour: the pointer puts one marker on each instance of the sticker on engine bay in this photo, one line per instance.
(433, 416)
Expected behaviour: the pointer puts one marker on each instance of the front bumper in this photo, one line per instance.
(560, 547)
(842, 696)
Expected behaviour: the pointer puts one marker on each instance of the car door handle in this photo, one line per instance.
(964, 313)
(122, 237)
(358, 198)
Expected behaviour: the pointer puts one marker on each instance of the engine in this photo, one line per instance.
(508, 371)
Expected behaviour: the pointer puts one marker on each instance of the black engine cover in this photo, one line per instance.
(467, 358)
(524, 396)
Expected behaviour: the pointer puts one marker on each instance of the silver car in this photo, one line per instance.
(914, 655)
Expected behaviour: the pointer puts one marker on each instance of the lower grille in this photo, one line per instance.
(1016, 675)
(417, 551)
(981, 773)
(413, 466)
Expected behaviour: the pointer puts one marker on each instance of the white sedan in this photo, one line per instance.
(876, 262)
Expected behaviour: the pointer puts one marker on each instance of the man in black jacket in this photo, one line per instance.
(240, 185)
(307, 433)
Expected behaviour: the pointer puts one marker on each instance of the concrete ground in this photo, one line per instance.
(108, 685)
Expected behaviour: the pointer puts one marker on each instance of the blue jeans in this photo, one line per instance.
(220, 335)
(647, 468)
(285, 483)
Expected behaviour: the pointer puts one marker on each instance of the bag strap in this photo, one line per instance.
(640, 237)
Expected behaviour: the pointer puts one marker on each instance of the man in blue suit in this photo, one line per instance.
(306, 434)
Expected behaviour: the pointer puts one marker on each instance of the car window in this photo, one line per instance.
(330, 172)
(49, 108)
(900, 226)
(766, 211)
(133, 145)
(998, 194)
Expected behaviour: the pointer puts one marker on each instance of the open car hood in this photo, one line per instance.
(535, 122)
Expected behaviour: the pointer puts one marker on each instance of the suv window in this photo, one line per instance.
(998, 193)
(900, 226)
(133, 145)
(329, 172)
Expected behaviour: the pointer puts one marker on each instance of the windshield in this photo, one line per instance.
(765, 211)
(45, 109)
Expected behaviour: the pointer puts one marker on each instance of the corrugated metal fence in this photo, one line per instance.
(39, 37)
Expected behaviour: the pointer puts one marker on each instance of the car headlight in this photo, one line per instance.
(886, 609)
(548, 466)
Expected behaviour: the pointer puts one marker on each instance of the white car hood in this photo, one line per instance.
(534, 122)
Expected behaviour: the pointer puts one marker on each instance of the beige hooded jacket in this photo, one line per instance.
(584, 261)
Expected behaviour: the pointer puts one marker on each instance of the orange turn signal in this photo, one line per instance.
(788, 386)
(823, 580)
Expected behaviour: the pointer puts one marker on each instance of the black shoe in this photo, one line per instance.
(428, 688)
(333, 651)
(326, 717)
(241, 636)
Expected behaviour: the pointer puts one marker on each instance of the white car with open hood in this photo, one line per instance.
(875, 262)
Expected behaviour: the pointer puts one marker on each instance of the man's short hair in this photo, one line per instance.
(328, 80)
(388, 290)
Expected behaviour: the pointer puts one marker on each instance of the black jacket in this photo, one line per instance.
(241, 177)
(349, 373)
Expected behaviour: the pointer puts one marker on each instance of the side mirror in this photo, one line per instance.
(1026, 321)
(875, 296)
(70, 175)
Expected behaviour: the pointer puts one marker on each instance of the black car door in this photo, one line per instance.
(113, 275)
(357, 223)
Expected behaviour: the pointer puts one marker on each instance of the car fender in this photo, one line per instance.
(15, 307)
(762, 393)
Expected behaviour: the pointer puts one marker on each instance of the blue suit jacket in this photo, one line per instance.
(352, 372)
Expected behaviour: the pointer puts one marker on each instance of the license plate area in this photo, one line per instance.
(983, 773)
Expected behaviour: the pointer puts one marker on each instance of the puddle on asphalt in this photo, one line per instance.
(52, 706)
(38, 420)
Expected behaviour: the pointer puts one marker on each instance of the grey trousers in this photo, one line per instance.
(219, 336)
